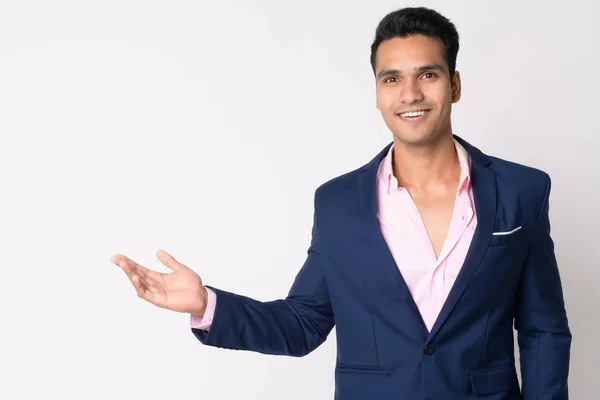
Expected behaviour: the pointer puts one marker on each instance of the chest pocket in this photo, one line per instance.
(504, 238)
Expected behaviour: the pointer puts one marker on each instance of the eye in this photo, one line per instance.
(429, 75)
(388, 79)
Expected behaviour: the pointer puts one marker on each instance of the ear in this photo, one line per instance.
(456, 87)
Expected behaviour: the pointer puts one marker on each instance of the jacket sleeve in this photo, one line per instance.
(293, 326)
(544, 336)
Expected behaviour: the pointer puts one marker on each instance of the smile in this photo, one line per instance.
(413, 115)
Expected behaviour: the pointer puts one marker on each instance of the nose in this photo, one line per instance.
(411, 92)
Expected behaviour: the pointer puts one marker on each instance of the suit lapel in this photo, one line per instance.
(483, 180)
(484, 192)
(367, 205)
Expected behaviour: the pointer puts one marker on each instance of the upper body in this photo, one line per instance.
(351, 279)
(423, 306)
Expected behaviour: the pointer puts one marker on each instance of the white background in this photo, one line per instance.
(203, 128)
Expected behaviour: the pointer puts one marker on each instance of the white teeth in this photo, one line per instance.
(412, 114)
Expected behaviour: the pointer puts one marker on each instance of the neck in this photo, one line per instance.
(423, 167)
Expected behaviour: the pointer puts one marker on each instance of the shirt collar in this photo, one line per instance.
(463, 159)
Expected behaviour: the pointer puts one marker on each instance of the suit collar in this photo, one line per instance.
(475, 154)
(386, 169)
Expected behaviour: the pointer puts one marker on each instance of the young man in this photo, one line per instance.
(423, 257)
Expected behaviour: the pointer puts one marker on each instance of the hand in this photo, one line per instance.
(181, 290)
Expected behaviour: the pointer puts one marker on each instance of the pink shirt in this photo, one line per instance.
(429, 278)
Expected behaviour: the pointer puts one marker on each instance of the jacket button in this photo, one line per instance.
(429, 349)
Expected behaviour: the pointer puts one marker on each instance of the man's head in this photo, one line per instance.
(413, 58)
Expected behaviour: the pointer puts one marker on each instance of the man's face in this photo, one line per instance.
(412, 75)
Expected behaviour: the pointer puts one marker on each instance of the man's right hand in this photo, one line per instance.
(181, 290)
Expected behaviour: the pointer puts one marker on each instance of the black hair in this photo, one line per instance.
(412, 21)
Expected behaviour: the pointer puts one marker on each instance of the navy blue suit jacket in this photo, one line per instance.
(384, 350)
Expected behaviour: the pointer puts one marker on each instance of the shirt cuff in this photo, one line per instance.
(205, 322)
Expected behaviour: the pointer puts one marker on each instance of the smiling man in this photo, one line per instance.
(423, 258)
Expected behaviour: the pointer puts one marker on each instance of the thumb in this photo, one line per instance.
(168, 260)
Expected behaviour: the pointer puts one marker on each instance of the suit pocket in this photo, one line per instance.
(506, 239)
(494, 380)
(361, 369)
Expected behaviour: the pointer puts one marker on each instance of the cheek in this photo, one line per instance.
(437, 95)
(382, 101)
(441, 99)
(387, 97)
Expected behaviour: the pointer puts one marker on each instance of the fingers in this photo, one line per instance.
(117, 258)
(147, 283)
(138, 285)
(146, 287)
(141, 276)
(132, 269)
(168, 260)
(141, 287)
(128, 265)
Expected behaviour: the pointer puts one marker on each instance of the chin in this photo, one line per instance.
(415, 138)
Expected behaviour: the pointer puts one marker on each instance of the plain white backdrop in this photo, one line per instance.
(203, 128)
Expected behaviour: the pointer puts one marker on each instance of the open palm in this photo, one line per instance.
(181, 290)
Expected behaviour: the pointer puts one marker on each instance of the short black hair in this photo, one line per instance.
(412, 21)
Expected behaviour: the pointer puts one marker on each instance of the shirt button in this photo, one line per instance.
(429, 349)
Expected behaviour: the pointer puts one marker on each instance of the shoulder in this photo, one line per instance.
(526, 185)
(347, 185)
(339, 187)
(526, 178)
(512, 178)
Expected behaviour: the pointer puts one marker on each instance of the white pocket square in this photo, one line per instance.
(507, 233)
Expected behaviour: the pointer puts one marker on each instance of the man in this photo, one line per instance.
(423, 257)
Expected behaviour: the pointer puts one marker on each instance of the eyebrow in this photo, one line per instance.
(428, 67)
